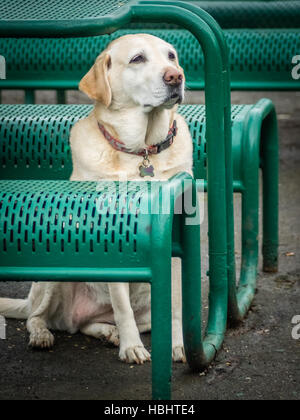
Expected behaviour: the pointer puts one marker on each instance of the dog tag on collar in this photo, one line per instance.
(146, 169)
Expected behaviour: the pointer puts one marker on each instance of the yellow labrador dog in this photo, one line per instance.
(136, 84)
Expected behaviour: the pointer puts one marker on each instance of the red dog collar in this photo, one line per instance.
(151, 150)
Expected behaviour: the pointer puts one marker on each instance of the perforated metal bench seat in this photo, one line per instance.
(71, 231)
(34, 139)
(58, 17)
(259, 59)
(84, 231)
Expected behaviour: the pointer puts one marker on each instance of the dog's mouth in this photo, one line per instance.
(176, 96)
(173, 99)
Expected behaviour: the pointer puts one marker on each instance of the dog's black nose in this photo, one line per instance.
(173, 77)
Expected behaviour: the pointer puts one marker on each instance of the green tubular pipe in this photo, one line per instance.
(61, 97)
(63, 274)
(261, 119)
(73, 85)
(238, 186)
(199, 354)
(239, 300)
(161, 309)
(269, 161)
(40, 84)
(249, 85)
(29, 97)
(231, 268)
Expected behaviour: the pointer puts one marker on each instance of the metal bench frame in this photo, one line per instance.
(271, 26)
(220, 200)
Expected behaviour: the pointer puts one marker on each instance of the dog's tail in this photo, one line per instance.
(14, 308)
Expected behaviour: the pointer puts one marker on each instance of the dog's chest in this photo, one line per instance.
(92, 302)
(129, 167)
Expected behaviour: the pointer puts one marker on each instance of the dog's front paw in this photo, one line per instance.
(41, 338)
(136, 354)
(178, 354)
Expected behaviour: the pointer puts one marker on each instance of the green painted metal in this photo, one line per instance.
(37, 147)
(61, 63)
(169, 235)
(260, 119)
(216, 171)
(54, 232)
(239, 299)
(252, 14)
(62, 18)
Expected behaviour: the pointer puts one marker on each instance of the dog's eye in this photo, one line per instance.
(138, 59)
(171, 56)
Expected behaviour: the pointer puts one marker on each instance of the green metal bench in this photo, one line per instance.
(53, 221)
(252, 14)
(53, 231)
(260, 56)
(171, 235)
(259, 59)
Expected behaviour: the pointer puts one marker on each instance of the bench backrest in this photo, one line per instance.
(258, 58)
(34, 140)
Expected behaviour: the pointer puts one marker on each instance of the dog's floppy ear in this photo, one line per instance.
(95, 83)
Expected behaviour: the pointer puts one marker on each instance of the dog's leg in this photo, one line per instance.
(132, 349)
(40, 336)
(177, 335)
(100, 331)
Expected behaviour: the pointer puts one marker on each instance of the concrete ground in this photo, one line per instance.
(259, 359)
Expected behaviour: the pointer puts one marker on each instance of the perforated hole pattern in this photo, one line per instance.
(230, 14)
(34, 140)
(35, 143)
(69, 220)
(257, 14)
(72, 221)
(257, 52)
(58, 9)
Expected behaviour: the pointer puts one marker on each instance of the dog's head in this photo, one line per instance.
(138, 70)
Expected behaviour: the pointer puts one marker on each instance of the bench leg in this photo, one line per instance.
(61, 97)
(260, 149)
(269, 158)
(29, 97)
(241, 297)
(200, 352)
(161, 327)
